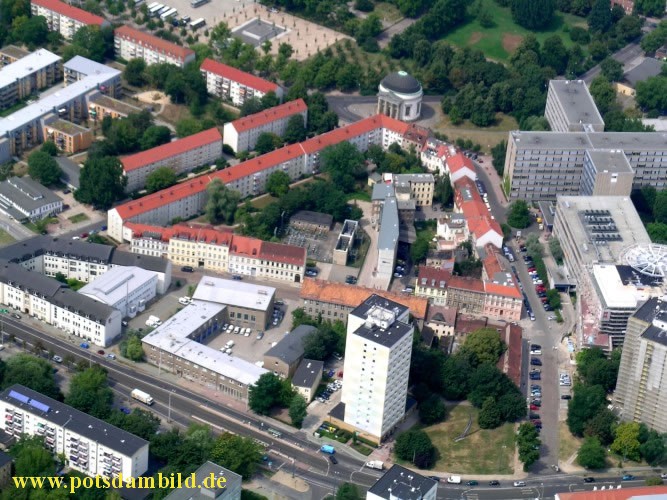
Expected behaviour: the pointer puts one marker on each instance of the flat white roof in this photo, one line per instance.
(26, 66)
(234, 293)
(614, 293)
(172, 336)
(115, 284)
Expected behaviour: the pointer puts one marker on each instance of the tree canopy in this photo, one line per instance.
(262, 395)
(43, 168)
(344, 164)
(518, 215)
(239, 454)
(416, 447)
(592, 454)
(101, 182)
(34, 373)
(278, 183)
(295, 130)
(222, 203)
(89, 392)
(160, 178)
(533, 15)
(155, 135)
(484, 346)
(586, 402)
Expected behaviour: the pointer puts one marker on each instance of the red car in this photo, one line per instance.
(84, 235)
(534, 408)
(532, 269)
(540, 288)
(536, 423)
(100, 352)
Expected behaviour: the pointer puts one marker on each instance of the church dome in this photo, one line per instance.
(401, 82)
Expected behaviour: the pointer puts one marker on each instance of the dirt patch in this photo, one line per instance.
(511, 42)
(173, 113)
(475, 37)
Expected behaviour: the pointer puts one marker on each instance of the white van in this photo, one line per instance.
(229, 344)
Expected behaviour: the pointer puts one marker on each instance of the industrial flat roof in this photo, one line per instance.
(609, 160)
(576, 101)
(27, 193)
(389, 230)
(615, 294)
(399, 482)
(234, 293)
(626, 141)
(116, 283)
(26, 66)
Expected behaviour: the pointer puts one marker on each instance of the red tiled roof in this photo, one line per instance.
(508, 290)
(474, 210)
(287, 254)
(249, 167)
(459, 161)
(466, 283)
(270, 115)
(152, 42)
(236, 75)
(72, 12)
(622, 494)
(242, 245)
(466, 323)
(197, 233)
(434, 277)
(170, 149)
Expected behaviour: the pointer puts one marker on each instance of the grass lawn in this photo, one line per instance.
(487, 137)
(499, 41)
(388, 13)
(363, 449)
(263, 201)
(6, 238)
(481, 452)
(13, 109)
(78, 218)
(569, 444)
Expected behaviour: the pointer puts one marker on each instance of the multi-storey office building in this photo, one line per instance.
(606, 173)
(234, 85)
(181, 156)
(249, 178)
(242, 134)
(420, 185)
(130, 43)
(571, 108)
(64, 18)
(28, 74)
(377, 365)
(89, 445)
(641, 389)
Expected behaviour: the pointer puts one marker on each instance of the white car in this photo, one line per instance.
(551, 318)
(237, 330)
(247, 332)
(519, 483)
(536, 352)
(57, 359)
(184, 300)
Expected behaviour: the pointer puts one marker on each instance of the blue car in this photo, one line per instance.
(127, 411)
(84, 345)
(628, 477)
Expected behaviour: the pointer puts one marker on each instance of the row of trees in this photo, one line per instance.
(652, 205)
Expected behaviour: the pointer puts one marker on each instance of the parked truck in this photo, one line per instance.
(375, 464)
(142, 396)
(327, 448)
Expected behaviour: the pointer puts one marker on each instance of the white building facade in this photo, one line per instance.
(130, 43)
(64, 18)
(234, 85)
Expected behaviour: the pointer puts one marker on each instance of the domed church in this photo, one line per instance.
(400, 96)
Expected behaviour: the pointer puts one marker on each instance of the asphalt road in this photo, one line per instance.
(624, 56)
(340, 104)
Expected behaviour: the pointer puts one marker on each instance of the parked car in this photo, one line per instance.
(472, 483)
(535, 376)
(519, 483)
(628, 477)
(435, 478)
(127, 411)
(84, 345)
(494, 483)
(57, 359)
(187, 269)
(535, 362)
(111, 356)
(592, 479)
(333, 459)
(534, 407)
(100, 352)
(238, 277)
(566, 396)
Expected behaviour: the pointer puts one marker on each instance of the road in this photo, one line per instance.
(341, 104)
(624, 56)
(15, 229)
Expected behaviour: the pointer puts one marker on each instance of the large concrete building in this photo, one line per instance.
(249, 178)
(65, 18)
(571, 108)
(27, 75)
(641, 390)
(181, 155)
(22, 198)
(89, 445)
(130, 43)
(378, 351)
(399, 483)
(242, 134)
(232, 84)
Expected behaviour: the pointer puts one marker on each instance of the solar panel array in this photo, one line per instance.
(32, 402)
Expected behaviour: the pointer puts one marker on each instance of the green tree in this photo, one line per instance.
(415, 446)
(134, 72)
(344, 164)
(222, 203)
(498, 154)
(484, 346)
(31, 458)
(250, 107)
(419, 249)
(626, 441)
(34, 373)
(656, 39)
(592, 455)
(554, 54)
(32, 31)
(603, 93)
(533, 15)
(89, 392)
(140, 422)
(349, 491)
(188, 126)
(278, 183)
(239, 454)
(155, 135)
(654, 481)
(660, 207)
(267, 142)
(91, 42)
(554, 298)
(295, 130)
(555, 249)
(263, 395)
(43, 168)
(432, 410)
(611, 69)
(528, 443)
(518, 215)
(652, 8)
(298, 410)
(586, 402)
(489, 415)
(101, 182)
(443, 192)
(653, 449)
(602, 426)
(160, 178)
(599, 20)
(50, 148)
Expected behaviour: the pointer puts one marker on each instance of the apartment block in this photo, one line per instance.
(88, 445)
(11, 53)
(130, 43)
(101, 105)
(606, 173)
(28, 75)
(181, 156)
(249, 178)
(69, 137)
(571, 108)
(420, 185)
(242, 134)
(234, 85)
(641, 389)
(377, 366)
(64, 18)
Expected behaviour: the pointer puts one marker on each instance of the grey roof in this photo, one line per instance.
(647, 68)
(4, 458)
(649, 310)
(71, 171)
(382, 191)
(184, 493)
(655, 334)
(112, 287)
(378, 301)
(14, 51)
(386, 337)
(27, 66)
(389, 230)
(44, 245)
(576, 101)
(581, 141)
(609, 160)
(80, 64)
(148, 262)
(307, 373)
(312, 218)
(290, 348)
(76, 421)
(27, 193)
(410, 178)
(401, 82)
(402, 483)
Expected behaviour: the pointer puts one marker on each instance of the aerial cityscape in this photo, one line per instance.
(333, 250)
